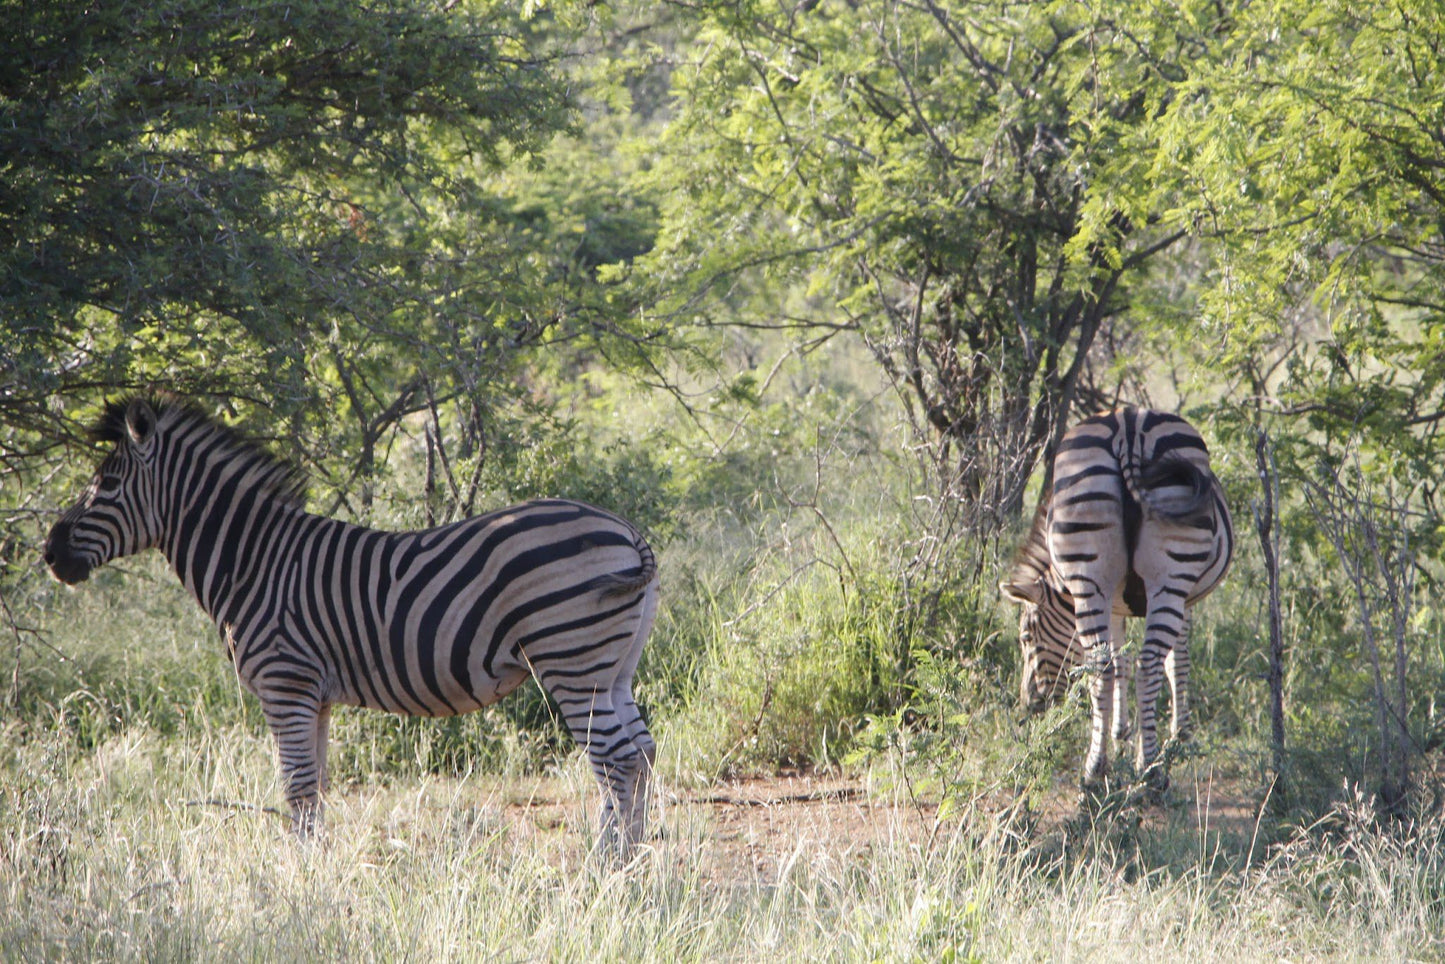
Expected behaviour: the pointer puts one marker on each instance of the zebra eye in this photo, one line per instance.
(107, 485)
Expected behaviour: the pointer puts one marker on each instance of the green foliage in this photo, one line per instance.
(170, 165)
(965, 188)
(625, 477)
(315, 217)
(810, 644)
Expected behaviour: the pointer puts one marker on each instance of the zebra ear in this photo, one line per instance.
(1020, 590)
(140, 424)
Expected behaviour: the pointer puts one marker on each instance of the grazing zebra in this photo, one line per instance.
(316, 611)
(1135, 525)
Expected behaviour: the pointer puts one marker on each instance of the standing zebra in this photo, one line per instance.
(1135, 525)
(316, 611)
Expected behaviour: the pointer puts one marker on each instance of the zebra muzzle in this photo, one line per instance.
(64, 563)
(1032, 700)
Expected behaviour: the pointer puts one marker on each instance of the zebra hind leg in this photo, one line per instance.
(1092, 617)
(617, 763)
(633, 799)
(603, 718)
(1176, 671)
(1147, 695)
(634, 812)
(1101, 688)
(1123, 676)
(1165, 653)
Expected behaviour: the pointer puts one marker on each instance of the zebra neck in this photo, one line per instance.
(222, 545)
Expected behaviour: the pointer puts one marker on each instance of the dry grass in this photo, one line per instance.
(147, 849)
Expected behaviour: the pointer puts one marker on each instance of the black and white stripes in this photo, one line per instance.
(318, 612)
(1135, 525)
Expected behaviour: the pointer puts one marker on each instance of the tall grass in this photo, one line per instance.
(126, 853)
(136, 782)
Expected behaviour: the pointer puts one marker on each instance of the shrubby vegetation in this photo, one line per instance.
(808, 292)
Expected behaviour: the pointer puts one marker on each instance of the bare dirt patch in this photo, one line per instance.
(742, 830)
(749, 830)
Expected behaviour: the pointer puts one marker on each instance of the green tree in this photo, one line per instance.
(290, 206)
(966, 187)
(1309, 147)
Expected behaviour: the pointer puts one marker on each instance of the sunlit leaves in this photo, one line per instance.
(969, 187)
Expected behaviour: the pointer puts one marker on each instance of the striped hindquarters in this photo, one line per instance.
(1123, 480)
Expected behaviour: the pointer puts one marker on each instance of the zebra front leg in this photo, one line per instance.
(295, 722)
(323, 741)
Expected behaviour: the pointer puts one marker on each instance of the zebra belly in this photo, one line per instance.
(458, 702)
(406, 662)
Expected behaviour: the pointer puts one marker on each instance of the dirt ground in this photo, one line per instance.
(750, 829)
(738, 830)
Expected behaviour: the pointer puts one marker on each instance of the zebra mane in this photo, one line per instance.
(280, 478)
(1031, 560)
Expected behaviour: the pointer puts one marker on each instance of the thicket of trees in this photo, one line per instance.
(302, 209)
(331, 218)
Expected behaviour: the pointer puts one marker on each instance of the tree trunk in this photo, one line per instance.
(1264, 522)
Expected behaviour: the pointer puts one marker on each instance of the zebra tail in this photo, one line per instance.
(628, 580)
(1172, 473)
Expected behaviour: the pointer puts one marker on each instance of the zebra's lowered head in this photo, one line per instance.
(1046, 614)
(116, 515)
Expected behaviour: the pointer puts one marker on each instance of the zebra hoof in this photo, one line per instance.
(1156, 781)
(1095, 779)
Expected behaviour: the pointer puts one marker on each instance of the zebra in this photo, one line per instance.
(1135, 524)
(316, 611)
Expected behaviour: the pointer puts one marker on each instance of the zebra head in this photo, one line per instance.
(1047, 639)
(116, 515)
